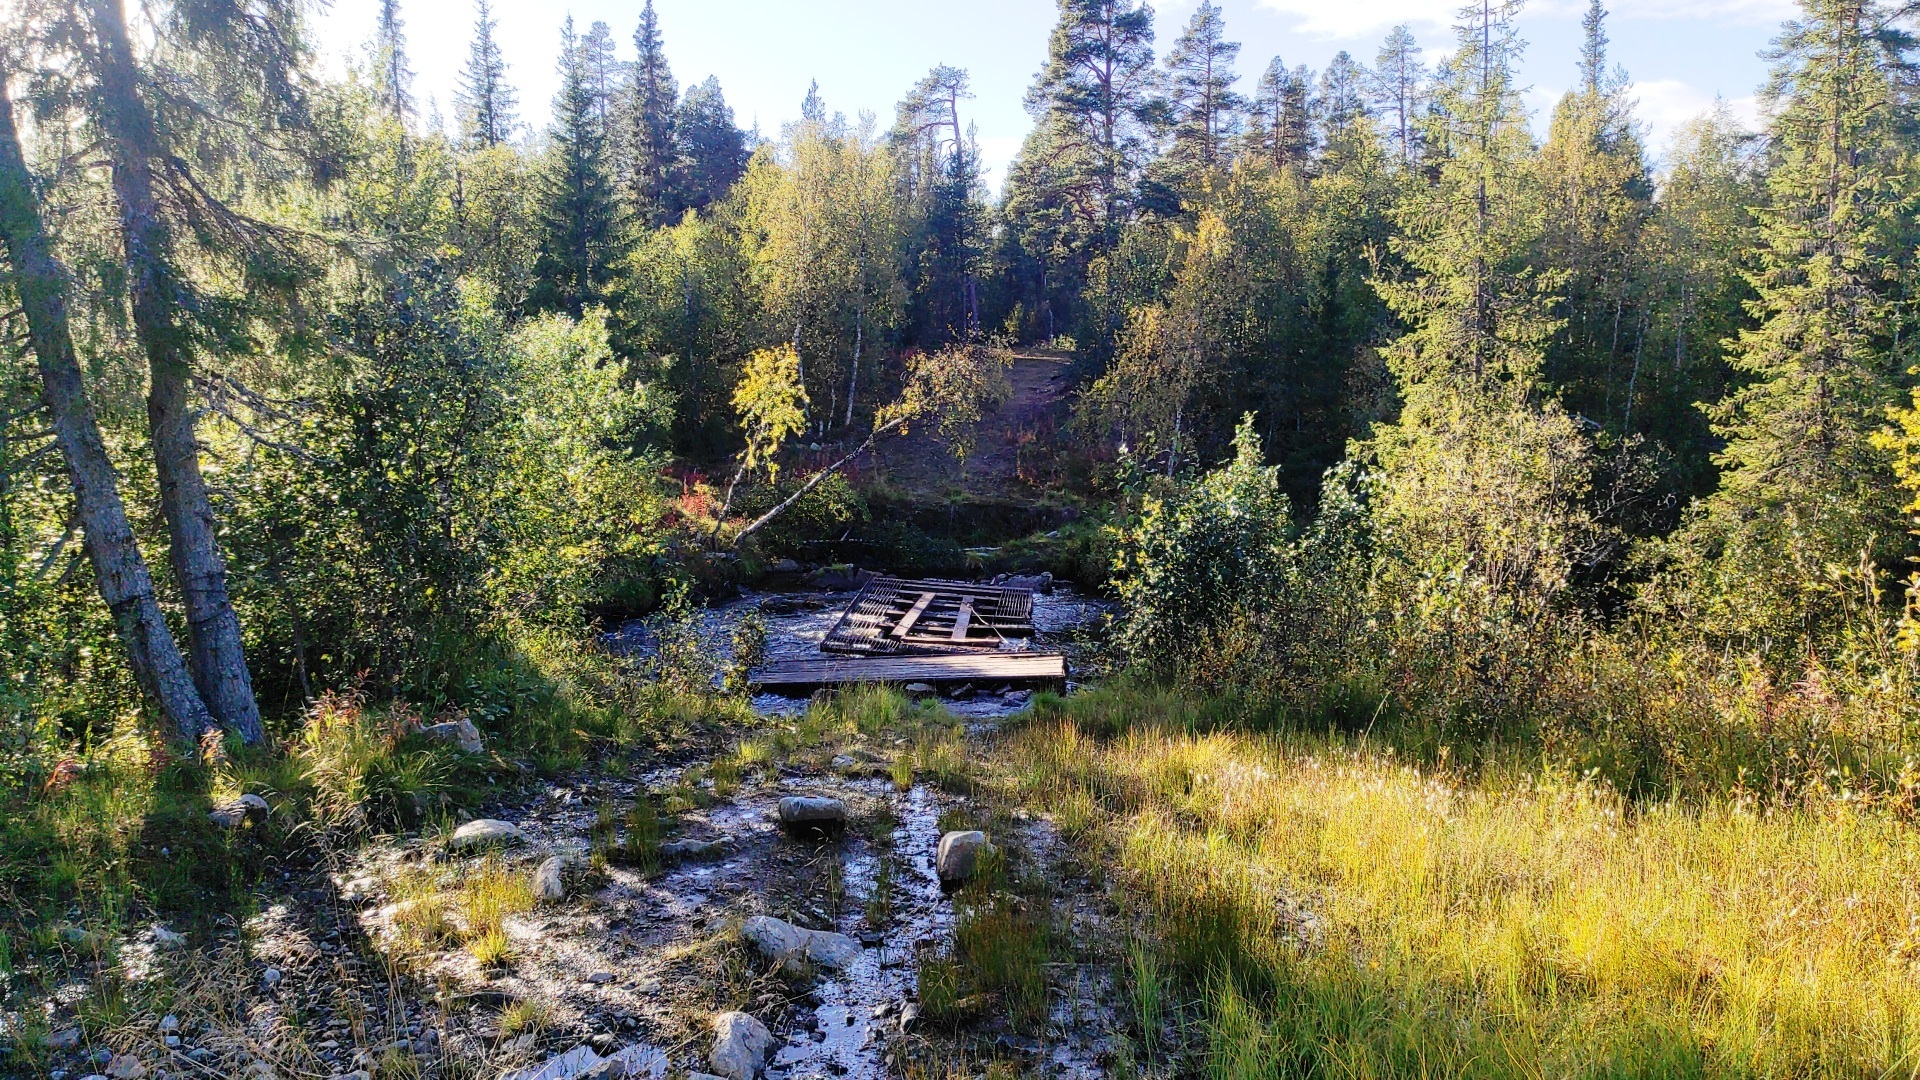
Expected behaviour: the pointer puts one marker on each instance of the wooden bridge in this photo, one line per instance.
(942, 633)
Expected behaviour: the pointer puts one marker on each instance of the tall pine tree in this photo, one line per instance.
(580, 226)
(1282, 129)
(651, 152)
(1200, 94)
(485, 103)
(1399, 88)
(392, 78)
(1097, 86)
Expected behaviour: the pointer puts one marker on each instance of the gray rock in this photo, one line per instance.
(564, 1067)
(550, 880)
(460, 732)
(600, 978)
(65, 1040)
(740, 1046)
(234, 814)
(169, 1024)
(920, 688)
(783, 566)
(909, 1015)
(790, 945)
(812, 814)
(638, 1062)
(1041, 583)
(694, 849)
(126, 1067)
(270, 978)
(1018, 697)
(959, 857)
(485, 832)
(166, 939)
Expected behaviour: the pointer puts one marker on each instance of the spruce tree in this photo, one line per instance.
(1200, 80)
(710, 152)
(1595, 179)
(1482, 480)
(1803, 490)
(392, 78)
(651, 153)
(580, 227)
(119, 569)
(485, 103)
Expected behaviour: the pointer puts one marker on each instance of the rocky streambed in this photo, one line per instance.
(612, 925)
(637, 969)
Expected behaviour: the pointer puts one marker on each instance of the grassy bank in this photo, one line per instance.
(116, 833)
(1335, 910)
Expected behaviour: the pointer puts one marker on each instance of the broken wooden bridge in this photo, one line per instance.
(942, 633)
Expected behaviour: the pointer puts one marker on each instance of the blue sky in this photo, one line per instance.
(865, 53)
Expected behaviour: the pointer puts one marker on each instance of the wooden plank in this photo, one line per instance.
(802, 676)
(963, 617)
(905, 625)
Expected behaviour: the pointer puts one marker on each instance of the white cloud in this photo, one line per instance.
(1664, 104)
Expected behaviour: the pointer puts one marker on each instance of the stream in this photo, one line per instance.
(798, 621)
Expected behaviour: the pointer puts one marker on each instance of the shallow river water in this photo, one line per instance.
(798, 621)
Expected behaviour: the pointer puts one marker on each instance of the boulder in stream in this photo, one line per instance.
(740, 1046)
(812, 815)
(958, 858)
(780, 940)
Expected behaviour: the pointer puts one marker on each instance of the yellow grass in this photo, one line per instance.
(1343, 914)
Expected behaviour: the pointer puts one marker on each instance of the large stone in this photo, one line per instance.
(460, 732)
(634, 1063)
(807, 814)
(958, 858)
(550, 880)
(564, 1067)
(740, 1046)
(694, 849)
(164, 938)
(1041, 583)
(234, 814)
(68, 1039)
(485, 832)
(792, 945)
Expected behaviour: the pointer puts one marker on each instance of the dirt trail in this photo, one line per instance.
(1012, 447)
